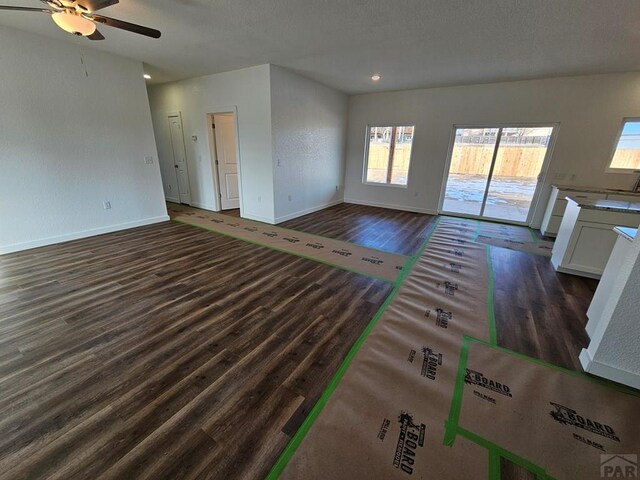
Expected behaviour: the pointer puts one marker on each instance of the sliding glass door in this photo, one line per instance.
(493, 172)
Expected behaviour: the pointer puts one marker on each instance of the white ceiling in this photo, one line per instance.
(411, 43)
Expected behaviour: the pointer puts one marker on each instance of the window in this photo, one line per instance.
(388, 155)
(626, 156)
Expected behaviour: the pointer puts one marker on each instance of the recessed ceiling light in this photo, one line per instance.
(375, 77)
(147, 76)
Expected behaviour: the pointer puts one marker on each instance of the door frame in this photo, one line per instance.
(178, 113)
(215, 177)
(542, 176)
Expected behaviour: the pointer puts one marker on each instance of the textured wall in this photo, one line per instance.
(589, 108)
(308, 125)
(248, 91)
(71, 139)
(616, 341)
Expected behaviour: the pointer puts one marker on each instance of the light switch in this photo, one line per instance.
(148, 160)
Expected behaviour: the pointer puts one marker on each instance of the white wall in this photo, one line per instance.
(589, 108)
(614, 350)
(69, 141)
(248, 91)
(308, 128)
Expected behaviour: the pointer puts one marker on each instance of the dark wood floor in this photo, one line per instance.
(540, 312)
(171, 352)
(166, 352)
(391, 230)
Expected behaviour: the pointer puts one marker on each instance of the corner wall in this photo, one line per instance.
(308, 126)
(248, 90)
(70, 140)
(589, 108)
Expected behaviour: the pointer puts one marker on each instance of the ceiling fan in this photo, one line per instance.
(78, 17)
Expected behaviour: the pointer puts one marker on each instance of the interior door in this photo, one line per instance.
(494, 173)
(180, 158)
(226, 160)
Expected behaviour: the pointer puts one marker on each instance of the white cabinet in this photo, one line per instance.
(557, 205)
(586, 238)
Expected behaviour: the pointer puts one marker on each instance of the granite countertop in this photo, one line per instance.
(575, 188)
(626, 232)
(609, 205)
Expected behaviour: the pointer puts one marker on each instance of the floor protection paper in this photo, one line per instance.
(513, 237)
(349, 256)
(569, 425)
(386, 417)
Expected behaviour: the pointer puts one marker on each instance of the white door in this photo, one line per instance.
(226, 160)
(180, 158)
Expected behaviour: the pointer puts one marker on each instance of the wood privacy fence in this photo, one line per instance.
(512, 161)
(626, 158)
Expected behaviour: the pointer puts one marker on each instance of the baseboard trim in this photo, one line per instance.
(258, 218)
(18, 247)
(391, 206)
(607, 371)
(204, 206)
(172, 200)
(307, 211)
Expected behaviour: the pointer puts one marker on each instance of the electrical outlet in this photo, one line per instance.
(106, 205)
(337, 188)
(415, 194)
(148, 160)
(289, 197)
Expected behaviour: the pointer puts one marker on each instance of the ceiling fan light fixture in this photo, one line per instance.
(73, 23)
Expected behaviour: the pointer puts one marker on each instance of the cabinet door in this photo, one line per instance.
(591, 247)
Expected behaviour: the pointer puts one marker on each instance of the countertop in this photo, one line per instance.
(626, 232)
(609, 205)
(575, 188)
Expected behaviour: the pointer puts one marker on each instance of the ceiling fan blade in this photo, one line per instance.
(26, 9)
(56, 4)
(95, 5)
(131, 27)
(96, 36)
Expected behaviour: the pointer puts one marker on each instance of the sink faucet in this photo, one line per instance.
(636, 186)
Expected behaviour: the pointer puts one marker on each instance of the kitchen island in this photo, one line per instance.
(586, 236)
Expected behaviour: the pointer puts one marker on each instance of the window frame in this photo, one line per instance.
(609, 168)
(367, 141)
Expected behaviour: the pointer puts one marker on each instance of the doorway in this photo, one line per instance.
(224, 152)
(495, 173)
(179, 157)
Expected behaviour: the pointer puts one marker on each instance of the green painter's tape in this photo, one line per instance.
(336, 265)
(614, 386)
(452, 428)
(491, 316)
(451, 424)
(293, 445)
(534, 237)
(494, 464)
(500, 452)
